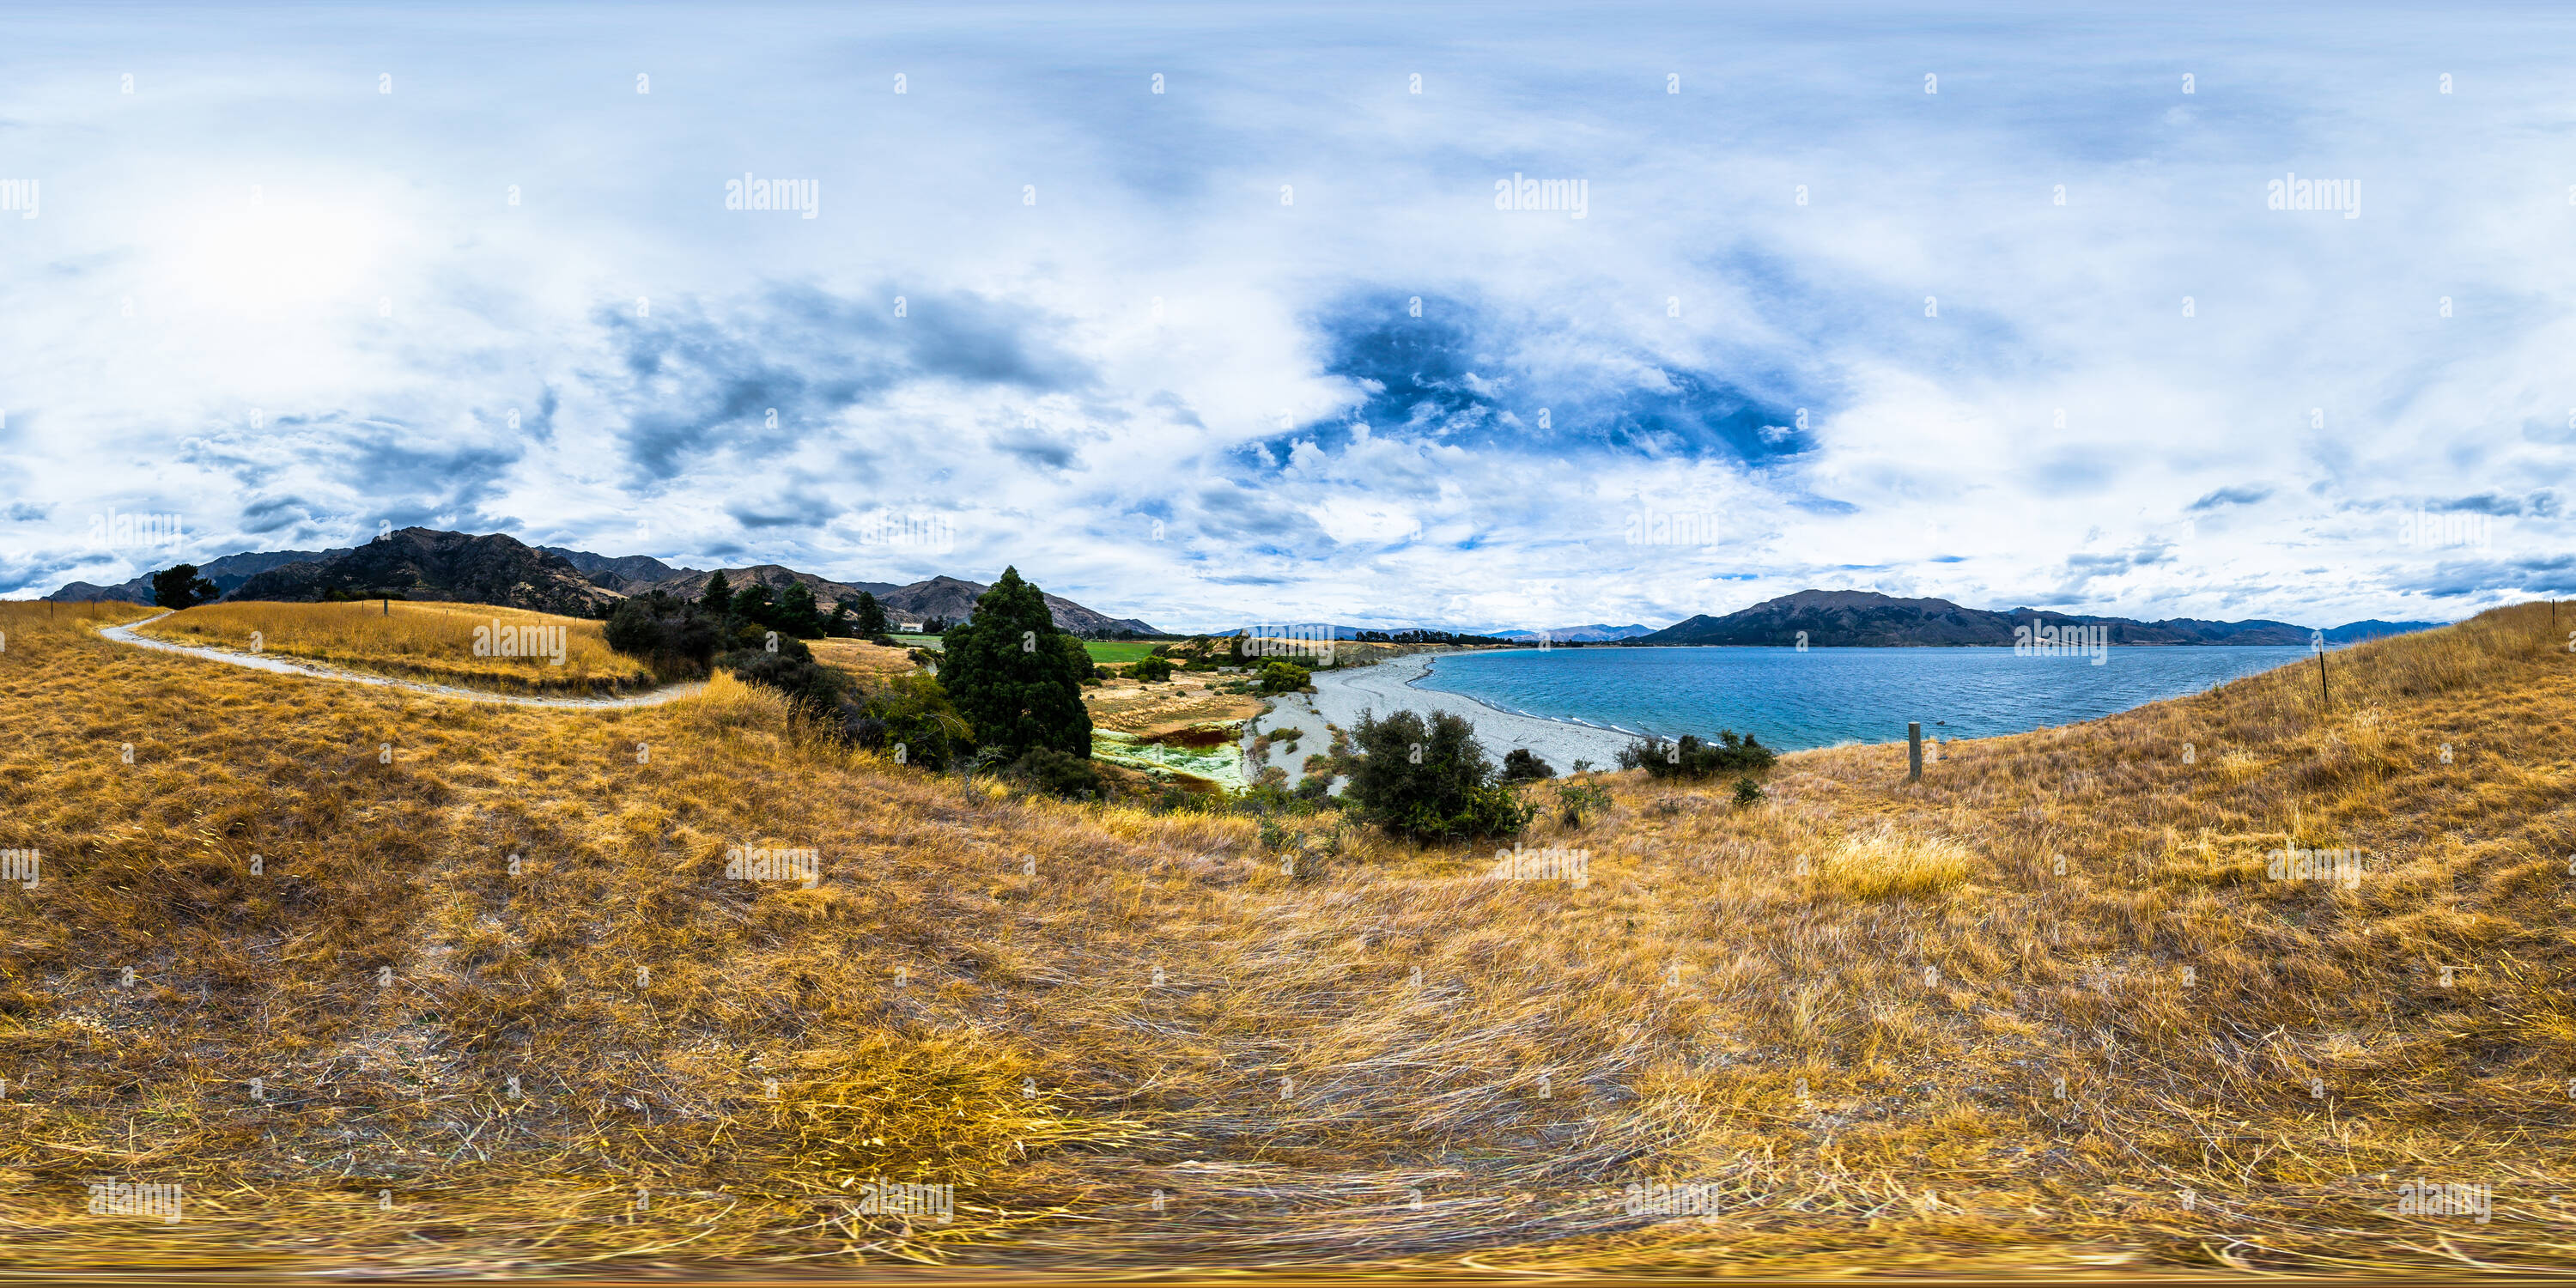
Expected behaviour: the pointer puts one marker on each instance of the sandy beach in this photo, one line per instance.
(1387, 687)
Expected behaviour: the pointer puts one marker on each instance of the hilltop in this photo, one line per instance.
(2049, 1006)
(1863, 618)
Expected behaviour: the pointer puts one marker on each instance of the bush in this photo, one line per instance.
(1429, 780)
(1278, 677)
(1747, 791)
(1047, 770)
(670, 634)
(1152, 670)
(1581, 801)
(792, 670)
(912, 717)
(1691, 758)
(1521, 765)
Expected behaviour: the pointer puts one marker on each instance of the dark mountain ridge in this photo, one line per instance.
(426, 564)
(1867, 619)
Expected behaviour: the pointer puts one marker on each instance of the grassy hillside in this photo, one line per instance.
(1875, 1022)
(434, 642)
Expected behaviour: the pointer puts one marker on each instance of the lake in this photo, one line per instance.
(1826, 696)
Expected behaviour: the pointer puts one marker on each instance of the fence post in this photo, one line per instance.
(2324, 694)
(1913, 751)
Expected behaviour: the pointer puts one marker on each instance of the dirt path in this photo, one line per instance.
(261, 662)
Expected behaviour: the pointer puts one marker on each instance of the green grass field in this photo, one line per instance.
(1117, 651)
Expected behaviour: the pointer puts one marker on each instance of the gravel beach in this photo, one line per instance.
(1388, 687)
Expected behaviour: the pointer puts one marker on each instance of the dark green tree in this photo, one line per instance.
(871, 615)
(1012, 675)
(752, 604)
(797, 613)
(181, 587)
(717, 600)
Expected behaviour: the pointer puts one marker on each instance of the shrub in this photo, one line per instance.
(1047, 770)
(1747, 791)
(1152, 670)
(1429, 780)
(1283, 677)
(792, 670)
(670, 634)
(1692, 758)
(913, 713)
(1580, 801)
(1521, 765)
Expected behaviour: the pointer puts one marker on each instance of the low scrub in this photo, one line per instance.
(1688, 757)
(1429, 780)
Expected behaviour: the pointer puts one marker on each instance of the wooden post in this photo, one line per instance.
(2323, 693)
(1913, 751)
(389, 605)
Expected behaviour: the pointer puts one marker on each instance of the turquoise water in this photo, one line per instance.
(1826, 696)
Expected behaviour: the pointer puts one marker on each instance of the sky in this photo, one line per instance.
(1211, 314)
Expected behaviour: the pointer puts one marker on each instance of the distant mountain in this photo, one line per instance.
(1593, 634)
(954, 600)
(1867, 619)
(227, 573)
(621, 574)
(2355, 632)
(422, 563)
(689, 584)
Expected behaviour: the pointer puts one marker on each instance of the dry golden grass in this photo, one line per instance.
(1888, 862)
(2024, 1070)
(414, 640)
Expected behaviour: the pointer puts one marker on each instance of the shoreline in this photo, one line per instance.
(1394, 685)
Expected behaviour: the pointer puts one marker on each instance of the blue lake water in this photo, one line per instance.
(1824, 696)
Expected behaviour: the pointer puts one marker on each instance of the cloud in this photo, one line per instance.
(2227, 496)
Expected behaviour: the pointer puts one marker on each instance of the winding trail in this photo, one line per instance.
(261, 662)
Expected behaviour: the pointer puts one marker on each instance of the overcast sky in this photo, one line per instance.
(1993, 308)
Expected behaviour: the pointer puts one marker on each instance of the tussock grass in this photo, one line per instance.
(1888, 862)
(415, 641)
(1064, 1009)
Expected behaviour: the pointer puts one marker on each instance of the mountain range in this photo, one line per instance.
(424, 563)
(1863, 618)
